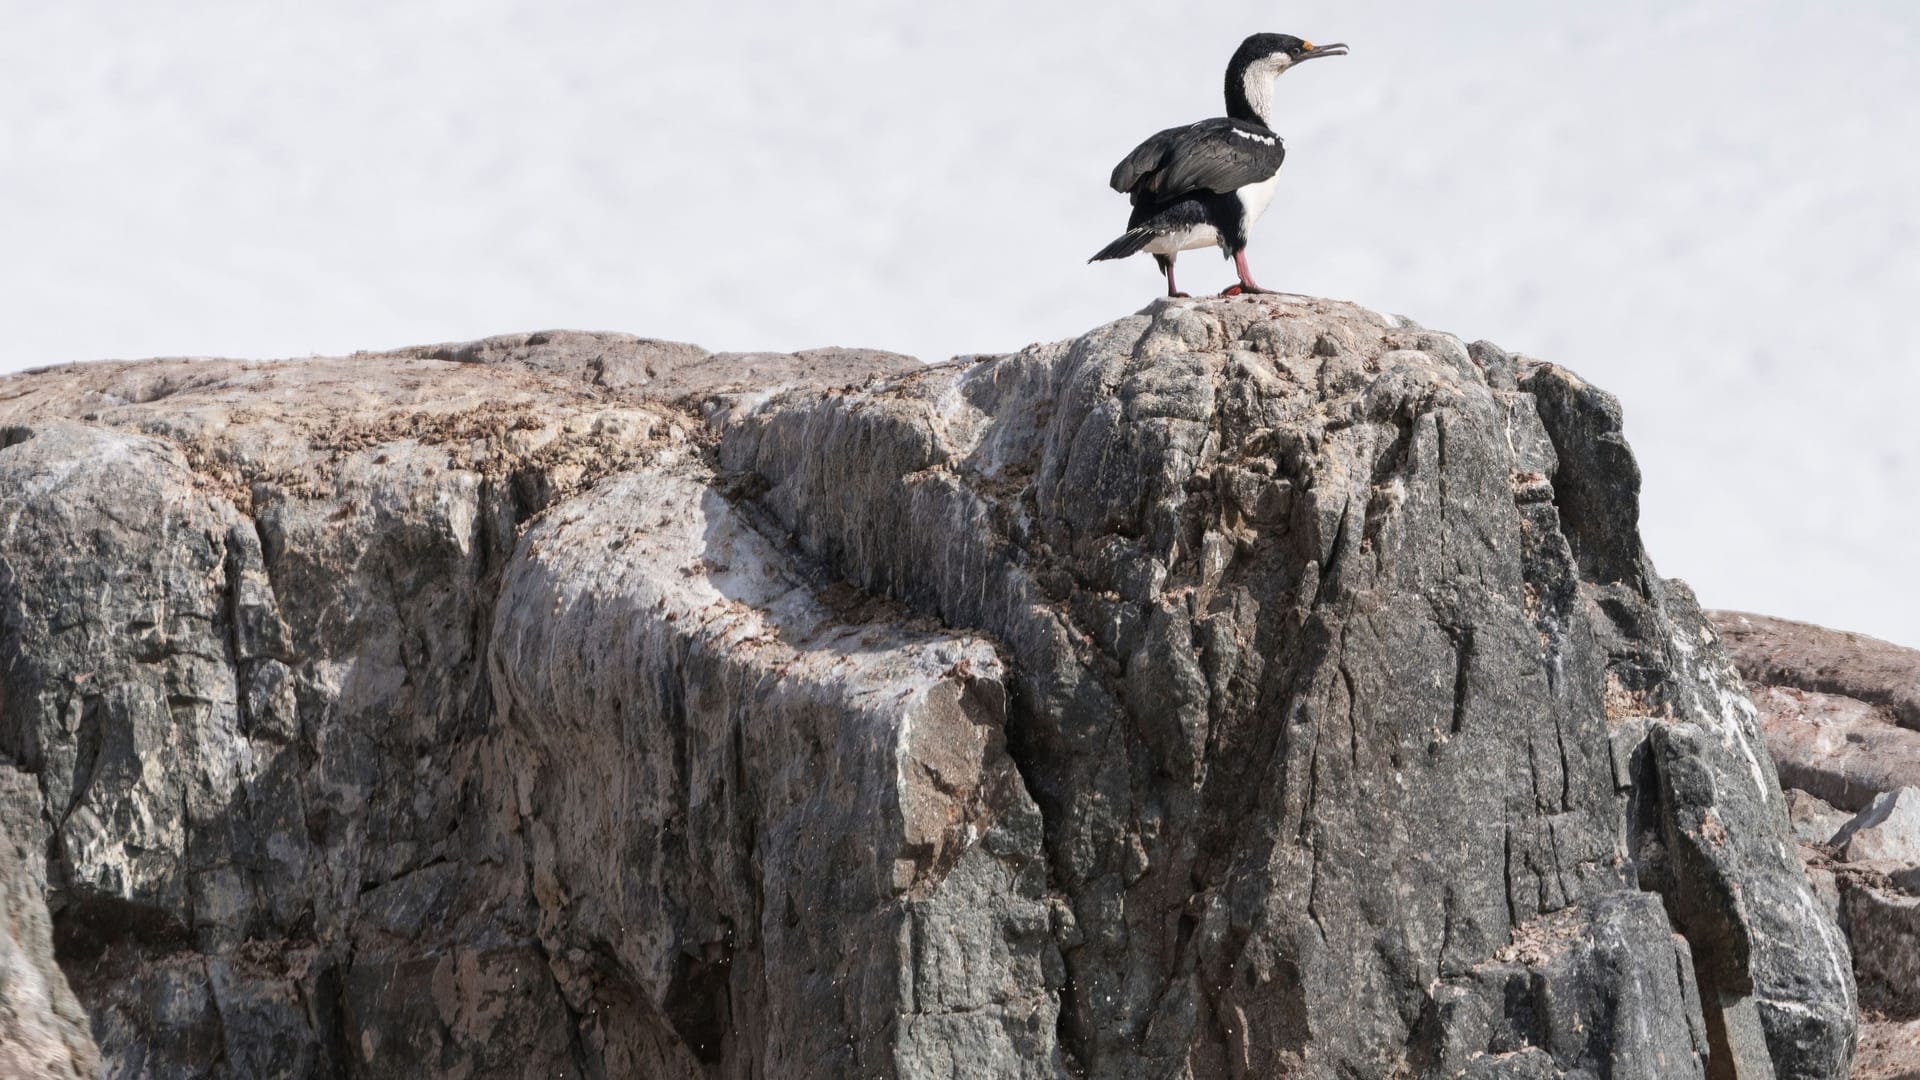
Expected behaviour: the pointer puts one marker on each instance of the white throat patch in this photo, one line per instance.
(1257, 84)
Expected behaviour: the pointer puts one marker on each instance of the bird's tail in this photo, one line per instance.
(1130, 241)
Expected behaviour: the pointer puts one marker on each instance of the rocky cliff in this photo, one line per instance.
(1247, 688)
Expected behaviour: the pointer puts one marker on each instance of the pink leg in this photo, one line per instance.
(1167, 265)
(1246, 285)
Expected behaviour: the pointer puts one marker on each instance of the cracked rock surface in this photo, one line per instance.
(1246, 688)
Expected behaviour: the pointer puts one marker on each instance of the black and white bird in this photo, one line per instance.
(1205, 184)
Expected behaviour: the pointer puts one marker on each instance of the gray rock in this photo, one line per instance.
(1239, 740)
(1887, 831)
(827, 863)
(1244, 688)
(1814, 820)
(43, 1031)
(1584, 969)
(1826, 889)
(1884, 924)
(244, 610)
(1757, 931)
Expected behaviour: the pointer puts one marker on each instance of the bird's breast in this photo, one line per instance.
(1254, 199)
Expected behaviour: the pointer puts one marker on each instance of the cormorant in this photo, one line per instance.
(1205, 184)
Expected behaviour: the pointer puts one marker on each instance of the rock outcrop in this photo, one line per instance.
(1247, 688)
(1841, 715)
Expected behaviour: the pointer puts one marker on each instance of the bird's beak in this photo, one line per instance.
(1315, 51)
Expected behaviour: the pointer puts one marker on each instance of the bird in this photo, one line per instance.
(1205, 184)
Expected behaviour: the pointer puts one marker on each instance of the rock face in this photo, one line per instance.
(1247, 688)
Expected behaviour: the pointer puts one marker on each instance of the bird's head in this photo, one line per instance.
(1272, 54)
(1261, 59)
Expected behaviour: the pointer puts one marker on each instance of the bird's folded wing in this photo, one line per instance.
(1213, 155)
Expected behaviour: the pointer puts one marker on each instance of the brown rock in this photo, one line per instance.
(1840, 748)
(1889, 1049)
(1780, 652)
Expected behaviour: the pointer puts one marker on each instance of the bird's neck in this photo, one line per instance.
(1250, 96)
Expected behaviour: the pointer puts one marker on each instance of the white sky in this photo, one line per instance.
(1709, 207)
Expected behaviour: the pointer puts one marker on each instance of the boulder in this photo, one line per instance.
(1887, 831)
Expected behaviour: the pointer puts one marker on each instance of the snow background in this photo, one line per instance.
(1709, 207)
